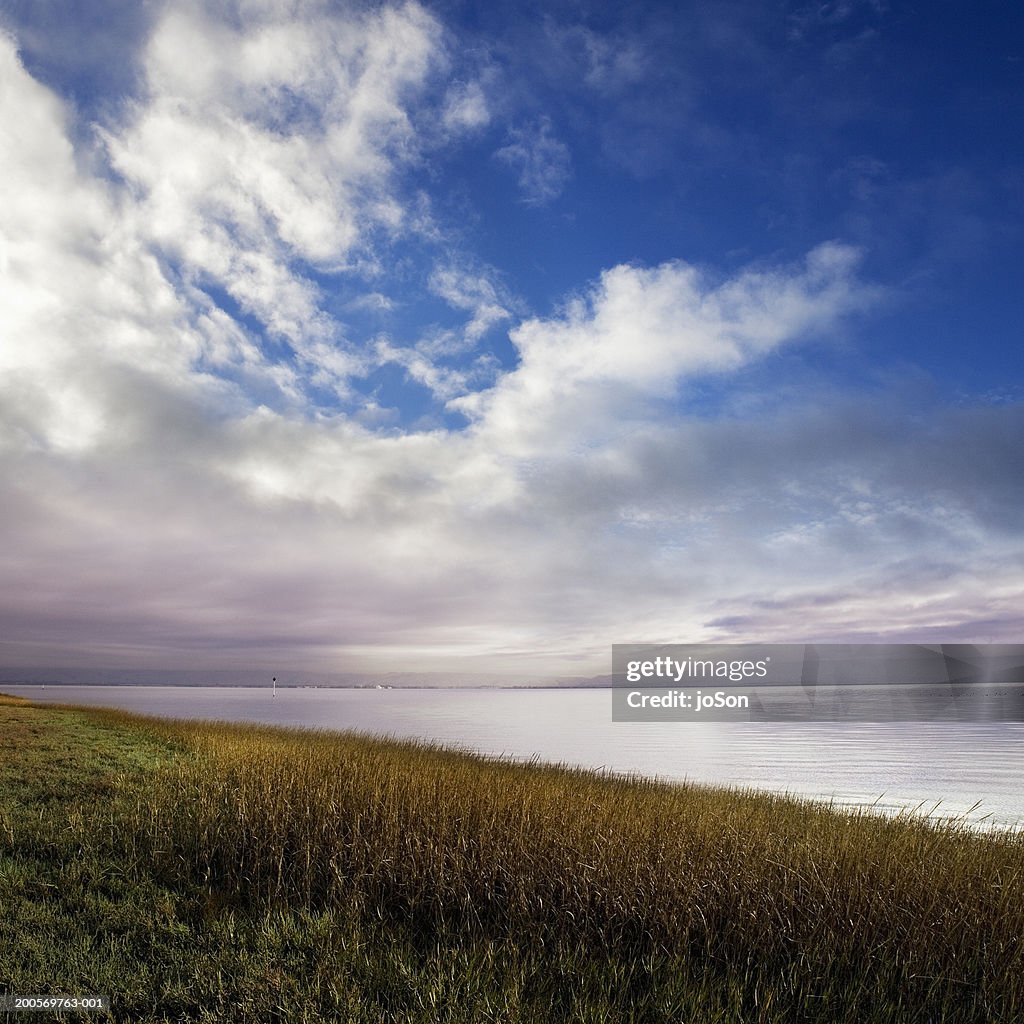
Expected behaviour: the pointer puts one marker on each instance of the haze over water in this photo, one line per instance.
(945, 768)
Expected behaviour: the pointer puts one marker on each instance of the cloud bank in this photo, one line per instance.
(192, 473)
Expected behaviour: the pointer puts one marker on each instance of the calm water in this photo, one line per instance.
(891, 765)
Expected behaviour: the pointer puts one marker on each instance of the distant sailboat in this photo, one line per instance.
(275, 687)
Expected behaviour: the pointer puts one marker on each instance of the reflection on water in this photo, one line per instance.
(944, 767)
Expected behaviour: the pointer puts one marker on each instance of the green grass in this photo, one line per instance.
(217, 872)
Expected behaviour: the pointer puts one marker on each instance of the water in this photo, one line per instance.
(945, 768)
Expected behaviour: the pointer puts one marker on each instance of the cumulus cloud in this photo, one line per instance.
(175, 496)
(640, 330)
(79, 292)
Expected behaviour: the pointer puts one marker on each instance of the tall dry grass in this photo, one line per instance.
(816, 900)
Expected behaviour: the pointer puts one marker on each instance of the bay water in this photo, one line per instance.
(943, 769)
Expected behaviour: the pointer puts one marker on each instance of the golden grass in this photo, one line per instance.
(807, 902)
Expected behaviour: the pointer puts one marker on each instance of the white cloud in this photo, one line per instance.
(541, 160)
(375, 302)
(78, 290)
(466, 108)
(172, 496)
(443, 382)
(639, 331)
(437, 360)
(472, 291)
(267, 144)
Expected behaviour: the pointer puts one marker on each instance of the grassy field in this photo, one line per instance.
(234, 873)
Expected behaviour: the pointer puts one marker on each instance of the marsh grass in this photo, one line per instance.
(785, 894)
(450, 887)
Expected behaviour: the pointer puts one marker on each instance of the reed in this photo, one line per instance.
(229, 873)
(812, 906)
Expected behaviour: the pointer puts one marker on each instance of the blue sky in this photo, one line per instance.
(466, 336)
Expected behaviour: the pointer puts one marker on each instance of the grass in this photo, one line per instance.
(238, 873)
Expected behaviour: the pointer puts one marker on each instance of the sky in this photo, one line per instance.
(479, 337)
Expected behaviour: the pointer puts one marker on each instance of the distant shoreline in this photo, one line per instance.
(321, 686)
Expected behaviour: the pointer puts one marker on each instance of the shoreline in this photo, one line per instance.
(621, 749)
(414, 859)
